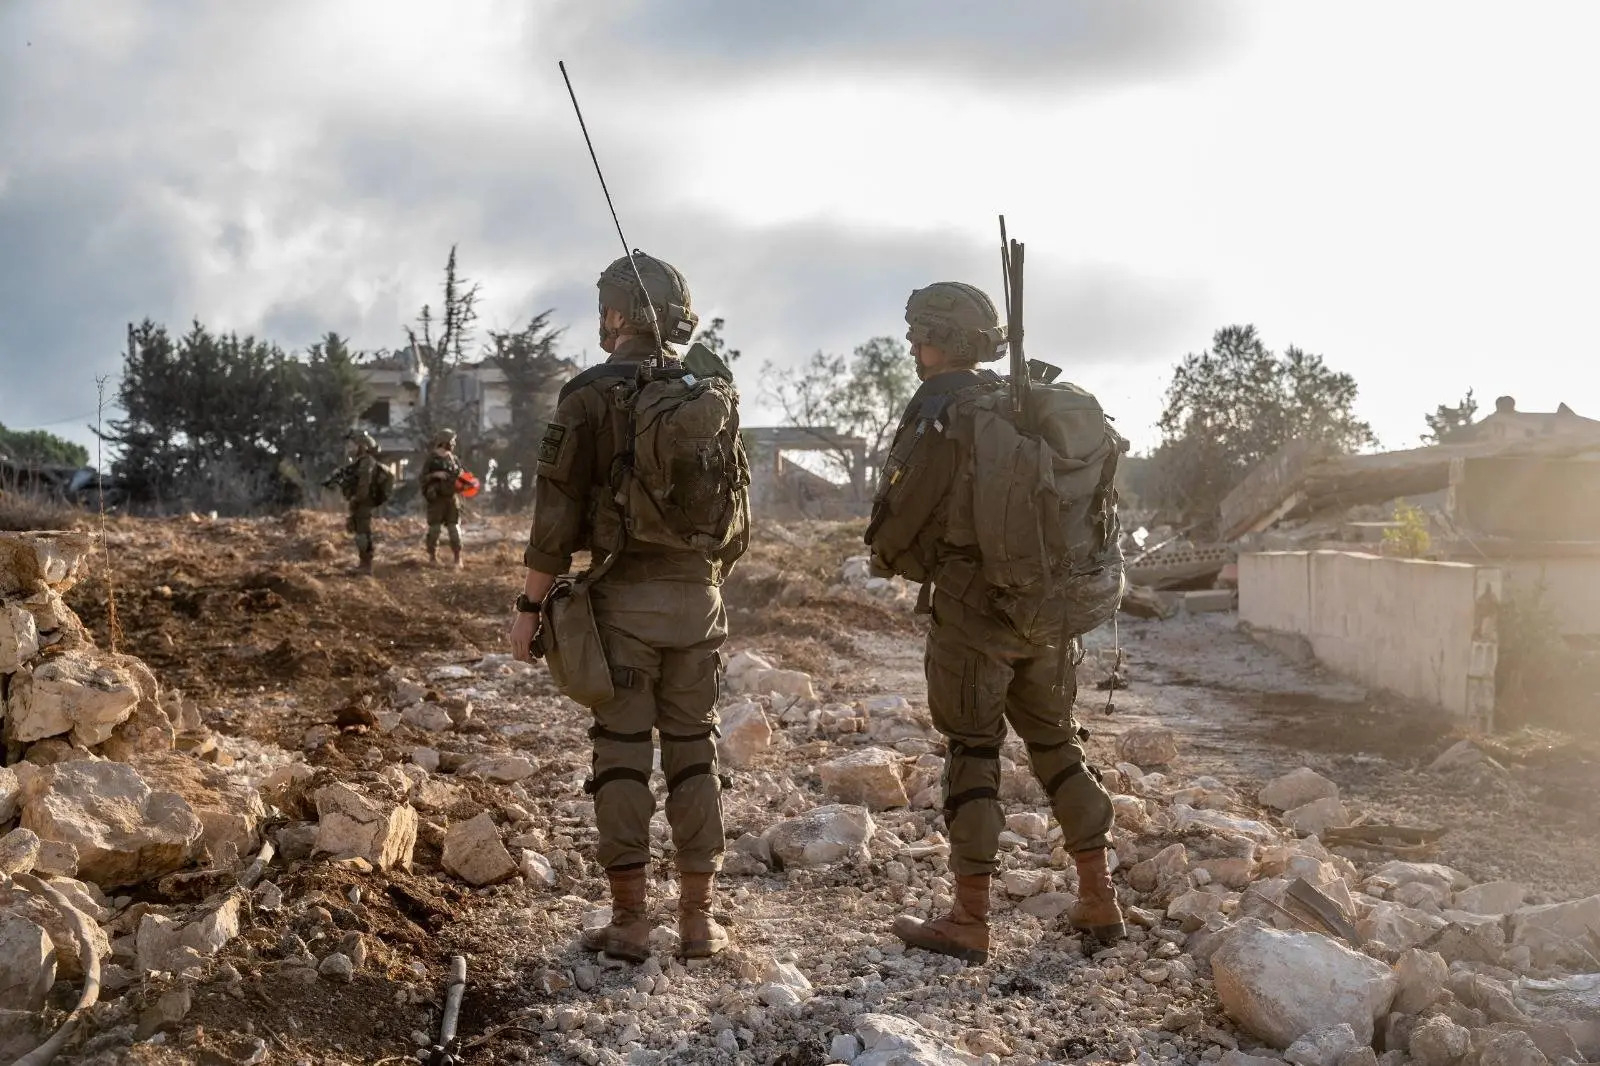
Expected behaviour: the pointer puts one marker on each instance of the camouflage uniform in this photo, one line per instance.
(356, 482)
(661, 620)
(443, 505)
(980, 673)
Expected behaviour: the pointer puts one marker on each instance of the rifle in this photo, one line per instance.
(1011, 267)
(627, 249)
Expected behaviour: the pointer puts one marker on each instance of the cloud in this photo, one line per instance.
(291, 170)
(1040, 43)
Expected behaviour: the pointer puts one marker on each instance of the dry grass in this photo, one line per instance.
(26, 512)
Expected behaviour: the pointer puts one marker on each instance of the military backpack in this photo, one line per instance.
(683, 479)
(1036, 497)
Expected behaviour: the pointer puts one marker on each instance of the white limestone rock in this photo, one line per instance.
(750, 673)
(351, 824)
(27, 963)
(124, 832)
(474, 852)
(19, 637)
(501, 769)
(10, 794)
(1422, 976)
(891, 1040)
(1556, 933)
(75, 693)
(229, 808)
(1492, 897)
(1281, 985)
(746, 733)
(822, 836)
(1325, 1047)
(1146, 746)
(1438, 1041)
(1317, 817)
(19, 851)
(869, 777)
(1296, 789)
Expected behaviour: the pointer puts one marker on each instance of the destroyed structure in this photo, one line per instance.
(1512, 510)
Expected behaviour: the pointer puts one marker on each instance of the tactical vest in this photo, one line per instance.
(366, 482)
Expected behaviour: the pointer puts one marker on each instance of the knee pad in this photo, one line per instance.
(980, 762)
(686, 757)
(634, 750)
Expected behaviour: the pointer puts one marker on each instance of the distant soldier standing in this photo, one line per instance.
(439, 476)
(948, 513)
(643, 466)
(365, 484)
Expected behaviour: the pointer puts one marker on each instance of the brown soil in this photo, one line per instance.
(263, 624)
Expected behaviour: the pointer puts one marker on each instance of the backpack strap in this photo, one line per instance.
(598, 373)
(622, 463)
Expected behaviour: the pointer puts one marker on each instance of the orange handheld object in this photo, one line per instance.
(467, 484)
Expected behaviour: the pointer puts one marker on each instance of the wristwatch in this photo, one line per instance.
(525, 605)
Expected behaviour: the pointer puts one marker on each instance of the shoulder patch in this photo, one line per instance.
(550, 444)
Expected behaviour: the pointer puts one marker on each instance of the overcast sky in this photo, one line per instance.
(1410, 189)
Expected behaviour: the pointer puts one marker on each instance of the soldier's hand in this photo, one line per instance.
(523, 630)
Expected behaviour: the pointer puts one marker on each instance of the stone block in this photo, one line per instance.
(125, 833)
(353, 825)
(1280, 985)
(73, 693)
(1204, 601)
(474, 852)
(869, 777)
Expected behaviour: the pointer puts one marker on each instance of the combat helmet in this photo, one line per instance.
(957, 317)
(667, 292)
(444, 438)
(363, 440)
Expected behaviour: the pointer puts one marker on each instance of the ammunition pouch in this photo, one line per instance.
(572, 646)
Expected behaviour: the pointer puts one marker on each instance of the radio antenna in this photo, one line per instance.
(627, 250)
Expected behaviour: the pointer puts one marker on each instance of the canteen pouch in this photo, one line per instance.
(573, 650)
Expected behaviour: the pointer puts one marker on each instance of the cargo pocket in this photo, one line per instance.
(953, 693)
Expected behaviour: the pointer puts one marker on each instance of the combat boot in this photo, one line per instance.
(365, 566)
(458, 558)
(1096, 913)
(628, 935)
(963, 933)
(699, 935)
(433, 555)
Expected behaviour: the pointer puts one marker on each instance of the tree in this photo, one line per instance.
(1447, 421)
(711, 337)
(1233, 405)
(330, 394)
(215, 421)
(528, 359)
(441, 344)
(862, 396)
(36, 447)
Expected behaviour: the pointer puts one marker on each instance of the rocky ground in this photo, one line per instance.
(420, 797)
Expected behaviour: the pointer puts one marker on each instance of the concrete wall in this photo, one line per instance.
(1529, 499)
(1571, 588)
(1422, 630)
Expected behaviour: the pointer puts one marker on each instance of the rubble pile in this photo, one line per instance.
(443, 812)
(856, 574)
